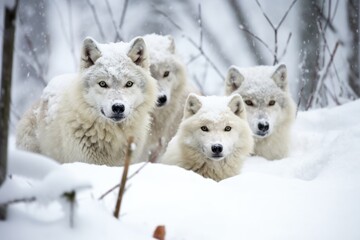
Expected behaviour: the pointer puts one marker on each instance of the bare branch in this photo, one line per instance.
(265, 15)
(286, 13)
(123, 13)
(257, 38)
(19, 200)
(31, 48)
(193, 58)
(117, 33)
(201, 28)
(200, 49)
(97, 21)
(286, 46)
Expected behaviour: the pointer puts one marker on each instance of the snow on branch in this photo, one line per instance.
(274, 52)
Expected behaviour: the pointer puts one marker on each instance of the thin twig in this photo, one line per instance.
(118, 36)
(118, 185)
(257, 38)
(265, 15)
(19, 200)
(286, 46)
(200, 49)
(123, 13)
(286, 13)
(201, 28)
(124, 177)
(97, 21)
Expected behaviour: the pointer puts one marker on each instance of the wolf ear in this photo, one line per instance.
(233, 80)
(138, 52)
(171, 47)
(236, 104)
(280, 76)
(89, 53)
(192, 105)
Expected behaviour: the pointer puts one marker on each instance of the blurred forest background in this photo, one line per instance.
(317, 39)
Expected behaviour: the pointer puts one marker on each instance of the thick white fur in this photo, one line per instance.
(260, 85)
(71, 122)
(165, 118)
(191, 146)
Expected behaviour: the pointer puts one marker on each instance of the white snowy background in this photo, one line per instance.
(312, 194)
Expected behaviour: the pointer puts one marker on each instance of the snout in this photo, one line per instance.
(217, 150)
(162, 100)
(115, 113)
(263, 128)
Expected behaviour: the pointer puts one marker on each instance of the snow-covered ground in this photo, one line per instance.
(313, 194)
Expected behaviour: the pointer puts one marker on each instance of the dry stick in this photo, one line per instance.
(124, 177)
(192, 43)
(118, 35)
(286, 46)
(19, 200)
(257, 38)
(118, 185)
(97, 21)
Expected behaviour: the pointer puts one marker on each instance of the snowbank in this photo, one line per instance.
(312, 194)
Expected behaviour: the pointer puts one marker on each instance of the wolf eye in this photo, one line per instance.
(227, 129)
(103, 84)
(129, 84)
(204, 129)
(166, 74)
(249, 103)
(272, 103)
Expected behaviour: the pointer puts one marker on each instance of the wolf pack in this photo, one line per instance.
(139, 90)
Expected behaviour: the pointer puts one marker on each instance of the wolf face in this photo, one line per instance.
(114, 77)
(214, 126)
(263, 90)
(164, 66)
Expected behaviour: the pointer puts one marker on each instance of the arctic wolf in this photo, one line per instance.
(169, 71)
(269, 106)
(89, 116)
(214, 137)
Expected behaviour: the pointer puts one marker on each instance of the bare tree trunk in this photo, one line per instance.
(250, 41)
(310, 46)
(7, 60)
(353, 57)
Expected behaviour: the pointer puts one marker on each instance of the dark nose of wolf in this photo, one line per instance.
(118, 108)
(263, 126)
(161, 100)
(216, 148)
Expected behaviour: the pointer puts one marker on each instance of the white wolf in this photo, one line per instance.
(92, 115)
(269, 106)
(169, 71)
(214, 137)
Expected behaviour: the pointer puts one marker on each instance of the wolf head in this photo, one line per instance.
(264, 91)
(116, 77)
(215, 127)
(165, 66)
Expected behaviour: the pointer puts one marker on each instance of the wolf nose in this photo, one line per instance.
(161, 100)
(216, 148)
(118, 108)
(263, 126)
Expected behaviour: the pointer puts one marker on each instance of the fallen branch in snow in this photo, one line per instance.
(198, 46)
(124, 177)
(274, 52)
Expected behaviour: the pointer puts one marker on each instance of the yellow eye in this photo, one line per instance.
(204, 129)
(166, 74)
(129, 84)
(103, 84)
(272, 103)
(249, 103)
(227, 129)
